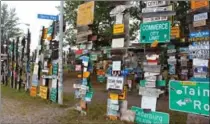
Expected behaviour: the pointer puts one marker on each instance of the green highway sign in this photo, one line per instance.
(152, 31)
(189, 96)
(150, 117)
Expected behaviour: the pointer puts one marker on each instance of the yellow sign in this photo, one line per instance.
(154, 44)
(33, 91)
(112, 117)
(49, 38)
(123, 95)
(196, 4)
(113, 96)
(175, 32)
(85, 75)
(85, 14)
(188, 83)
(45, 33)
(43, 92)
(118, 29)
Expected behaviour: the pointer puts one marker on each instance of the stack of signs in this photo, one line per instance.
(183, 62)
(172, 59)
(53, 92)
(85, 17)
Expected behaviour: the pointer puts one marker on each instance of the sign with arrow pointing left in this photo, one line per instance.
(189, 96)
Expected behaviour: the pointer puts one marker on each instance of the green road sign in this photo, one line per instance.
(189, 96)
(152, 31)
(150, 117)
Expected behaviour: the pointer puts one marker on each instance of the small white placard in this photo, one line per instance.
(118, 43)
(115, 83)
(119, 18)
(200, 62)
(116, 65)
(54, 83)
(149, 103)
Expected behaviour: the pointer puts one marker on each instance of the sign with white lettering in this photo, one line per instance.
(190, 97)
(152, 31)
(205, 33)
(115, 83)
(200, 16)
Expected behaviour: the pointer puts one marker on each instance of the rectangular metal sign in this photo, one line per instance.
(152, 68)
(155, 3)
(118, 29)
(205, 33)
(152, 92)
(196, 4)
(115, 83)
(175, 32)
(152, 117)
(189, 96)
(201, 16)
(153, 19)
(48, 17)
(153, 31)
(199, 23)
(157, 9)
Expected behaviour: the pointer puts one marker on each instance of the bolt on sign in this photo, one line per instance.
(85, 14)
(197, 4)
(33, 91)
(160, 31)
(151, 117)
(118, 29)
(190, 97)
(175, 32)
(43, 92)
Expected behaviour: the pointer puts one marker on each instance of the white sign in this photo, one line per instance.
(119, 18)
(118, 43)
(200, 16)
(152, 92)
(148, 74)
(116, 65)
(155, 3)
(118, 9)
(157, 9)
(54, 83)
(115, 83)
(150, 84)
(153, 19)
(149, 103)
(200, 62)
(128, 115)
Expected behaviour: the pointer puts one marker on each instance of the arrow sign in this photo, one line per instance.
(48, 17)
(180, 103)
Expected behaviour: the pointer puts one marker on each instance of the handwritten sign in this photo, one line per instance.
(115, 83)
(43, 92)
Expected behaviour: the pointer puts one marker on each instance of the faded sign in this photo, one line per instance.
(152, 92)
(116, 65)
(118, 43)
(148, 102)
(85, 14)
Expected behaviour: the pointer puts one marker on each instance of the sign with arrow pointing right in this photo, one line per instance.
(189, 96)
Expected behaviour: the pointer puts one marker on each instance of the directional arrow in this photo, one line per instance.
(180, 103)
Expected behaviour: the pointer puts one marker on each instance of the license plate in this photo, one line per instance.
(155, 3)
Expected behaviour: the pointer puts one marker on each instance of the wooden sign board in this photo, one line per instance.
(197, 4)
(33, 91)
(199, 23)
(118, 29)
(43, 92)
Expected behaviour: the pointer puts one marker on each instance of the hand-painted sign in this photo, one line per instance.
(205, 33)
(152, 31)
(190, 97)
(85, 14)
(157, 9)
(199, 23)
(43, 92)
(201, 16)
(155, 3)
(118, 29)
(33, 91)
(196, 4)
(175, 32)
(115, 83)
(152, 117)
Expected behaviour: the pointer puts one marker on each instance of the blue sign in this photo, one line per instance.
(48, 17)
(200, 34)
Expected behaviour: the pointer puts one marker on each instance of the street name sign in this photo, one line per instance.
(48, 17)
(205, 33)
(189, 96)
(152, 117)
(160, 31)
(157, 9)
(153, 19)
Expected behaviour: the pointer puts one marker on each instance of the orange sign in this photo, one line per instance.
(100, 72)
(196, 4)
(113, 96)
(43, 92)
(85, 75)
(85, 14)
(45, 33)
(154, 44)
(33, 91)
(175, 32)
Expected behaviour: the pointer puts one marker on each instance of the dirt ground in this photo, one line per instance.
(34, 111)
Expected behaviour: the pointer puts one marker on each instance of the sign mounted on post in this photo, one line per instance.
(152, 31)
(190, 97)
(199, 23)
(200, 16)
(175, 32)
(157, 9)
(155, 3)
(196, 4)
(115, 83)
(153, 19)
(85, 14)
(48, 17)
(118, 29)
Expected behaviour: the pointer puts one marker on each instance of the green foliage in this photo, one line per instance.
(9, 22)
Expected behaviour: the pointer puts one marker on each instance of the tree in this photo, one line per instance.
(9, 22)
